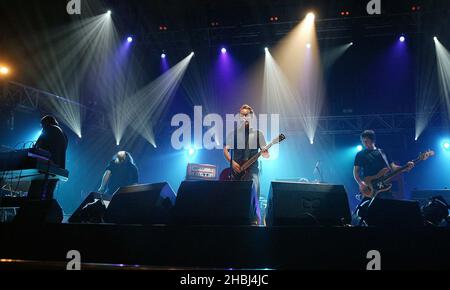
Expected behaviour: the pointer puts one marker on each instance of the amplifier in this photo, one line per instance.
(201, 172)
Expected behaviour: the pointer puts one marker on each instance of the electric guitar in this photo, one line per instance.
(382, 181)
(229, 174)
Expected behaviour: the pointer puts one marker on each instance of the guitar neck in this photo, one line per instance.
(255, 157)
(400, 170)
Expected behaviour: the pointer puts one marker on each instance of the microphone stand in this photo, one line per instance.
(319, 172)
(230, 177)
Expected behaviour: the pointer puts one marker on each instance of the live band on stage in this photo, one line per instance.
(43, 166)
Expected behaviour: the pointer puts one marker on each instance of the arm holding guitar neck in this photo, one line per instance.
(262, 144)
(400, 169)
(266, 154)
(263, 151)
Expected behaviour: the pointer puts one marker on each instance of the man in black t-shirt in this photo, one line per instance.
(368, 163)
(53, 140)
(120, 172)
(247, 147)
(245, 143)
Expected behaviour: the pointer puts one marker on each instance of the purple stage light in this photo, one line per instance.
(130, 39)
(164, 62)
(402, 38)
(223, 50)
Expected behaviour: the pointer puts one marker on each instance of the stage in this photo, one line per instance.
(242, 135)
(222, 247)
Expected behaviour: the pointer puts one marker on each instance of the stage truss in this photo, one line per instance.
(17, 97)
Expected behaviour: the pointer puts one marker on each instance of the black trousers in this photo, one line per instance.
(42, 189)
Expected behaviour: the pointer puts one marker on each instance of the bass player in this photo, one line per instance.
(369, 162)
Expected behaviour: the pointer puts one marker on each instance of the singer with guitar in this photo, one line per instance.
(254, 141)
(370, 162)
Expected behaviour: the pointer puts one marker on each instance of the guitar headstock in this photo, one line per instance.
(280, 139)
(424, 156)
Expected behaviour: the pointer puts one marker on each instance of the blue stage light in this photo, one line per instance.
(37, 135)
(446, 145)
(191, 151)
(402, 38)
(130, 39)
(359, 148)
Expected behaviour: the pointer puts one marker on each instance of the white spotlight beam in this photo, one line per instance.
(427, 99)
(146, 107)
(66, 57)
(443, 66)
(280, 97)
(299, 65)
(330, 57)
(198, 86)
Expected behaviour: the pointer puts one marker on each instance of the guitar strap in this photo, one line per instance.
(384, 158)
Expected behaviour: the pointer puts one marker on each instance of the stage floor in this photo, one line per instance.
(225, 247)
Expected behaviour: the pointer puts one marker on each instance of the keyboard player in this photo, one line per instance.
(54, 140)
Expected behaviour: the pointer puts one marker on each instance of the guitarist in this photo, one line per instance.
(369, 162)
(253, 141)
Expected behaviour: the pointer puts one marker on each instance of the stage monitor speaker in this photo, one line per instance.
(141, 204)
(305, 204)
(92, 209)
(394, 213)
(39, 212)
(216, 203)
(424, 196)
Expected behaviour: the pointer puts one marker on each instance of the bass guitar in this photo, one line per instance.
(381, 182)
(229, 174)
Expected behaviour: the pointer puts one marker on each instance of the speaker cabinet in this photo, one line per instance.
(39, 212)
(394, 213)
(293, 203)
(216, 203)
(92, 209)
(141, 204)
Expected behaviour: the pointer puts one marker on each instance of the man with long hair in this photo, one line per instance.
(120, 172)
